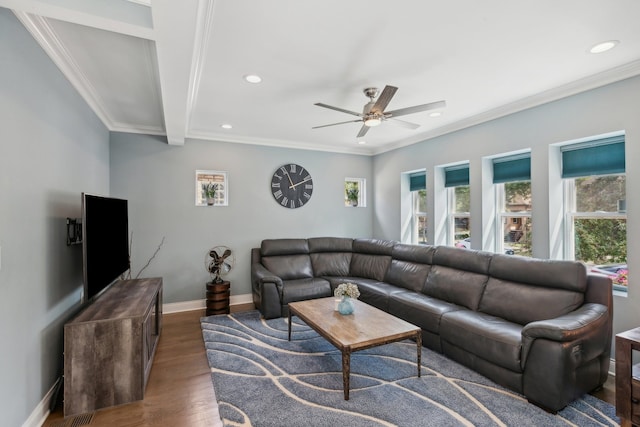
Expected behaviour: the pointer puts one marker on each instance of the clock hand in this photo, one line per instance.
(303, 181)
(290, 182)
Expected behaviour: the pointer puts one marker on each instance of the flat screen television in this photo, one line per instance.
(105, 242)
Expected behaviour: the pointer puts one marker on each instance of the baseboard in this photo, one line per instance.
(41, 412)
(177, 307)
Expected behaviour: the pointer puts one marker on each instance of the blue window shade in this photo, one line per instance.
(512, 168)
(418, 181)
(456, 176)
(601, 157)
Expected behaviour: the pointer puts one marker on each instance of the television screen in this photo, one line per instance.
(105, 237)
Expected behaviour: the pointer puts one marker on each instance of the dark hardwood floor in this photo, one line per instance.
(180, 392)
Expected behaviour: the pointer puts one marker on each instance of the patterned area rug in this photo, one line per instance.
(262, 379)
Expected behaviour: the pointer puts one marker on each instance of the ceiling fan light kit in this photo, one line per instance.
(373, 113)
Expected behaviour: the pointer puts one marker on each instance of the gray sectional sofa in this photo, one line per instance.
(539, 327)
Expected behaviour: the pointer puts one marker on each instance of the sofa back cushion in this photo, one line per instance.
(458, 276)
(330, 256)
(287, 258)
(410, 266)
(371, 258)
(524, 290)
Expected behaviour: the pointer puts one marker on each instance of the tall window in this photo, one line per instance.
(512, 179)
(456, 182)
(595, 206)
(418, 188)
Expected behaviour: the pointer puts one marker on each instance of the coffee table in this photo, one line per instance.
(367, 327)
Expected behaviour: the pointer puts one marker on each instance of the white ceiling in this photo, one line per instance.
(176, 67)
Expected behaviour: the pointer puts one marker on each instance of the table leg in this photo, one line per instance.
(289, 325)
(346, 371)
(419, 350)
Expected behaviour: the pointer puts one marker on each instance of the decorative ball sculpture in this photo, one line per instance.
(219, 261)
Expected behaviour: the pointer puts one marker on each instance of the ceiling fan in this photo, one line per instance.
(373, 113)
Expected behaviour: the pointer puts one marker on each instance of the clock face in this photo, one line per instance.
(291, 186)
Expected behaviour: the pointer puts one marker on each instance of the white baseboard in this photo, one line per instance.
(176, 307)
(41, 412)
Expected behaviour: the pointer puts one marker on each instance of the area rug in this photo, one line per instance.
(261, 379)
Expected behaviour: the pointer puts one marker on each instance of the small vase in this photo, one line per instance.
(345, 306)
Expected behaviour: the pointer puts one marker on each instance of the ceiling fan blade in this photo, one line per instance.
(415, 109)
(334, 124)
(331, 107)
(402, 123)
(384, 99)
(363, 131)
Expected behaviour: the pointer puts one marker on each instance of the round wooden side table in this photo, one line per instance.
(218, 298)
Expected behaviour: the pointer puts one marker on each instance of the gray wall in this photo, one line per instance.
(615, 107)
(52, 147)
(159, 182)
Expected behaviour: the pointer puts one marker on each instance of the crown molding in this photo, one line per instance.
(51, 44)
(595, 81)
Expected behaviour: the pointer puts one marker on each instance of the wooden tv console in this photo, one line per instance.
(109, 346)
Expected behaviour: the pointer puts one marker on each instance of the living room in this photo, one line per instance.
(53, 135)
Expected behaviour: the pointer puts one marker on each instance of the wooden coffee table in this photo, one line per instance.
(367, 327)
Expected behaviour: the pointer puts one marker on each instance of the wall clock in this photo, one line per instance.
(291, 186)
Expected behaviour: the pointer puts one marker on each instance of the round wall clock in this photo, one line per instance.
(291, 186)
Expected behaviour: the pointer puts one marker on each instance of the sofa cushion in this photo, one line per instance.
(372, 292)
(410, 266)
(289, 266)
(304, 289)
(369, 266)
(330, 244)
(522, 303)
(419, 309)
(560, 274)
(408, 275)
(331, 264)
(455, 286)
(458, 276)
(488, 337)
(272, 247)
(330, 256)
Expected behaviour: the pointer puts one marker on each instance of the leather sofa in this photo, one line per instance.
(542, 328)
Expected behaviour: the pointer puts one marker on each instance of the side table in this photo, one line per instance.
(218, 297)
(628, 378)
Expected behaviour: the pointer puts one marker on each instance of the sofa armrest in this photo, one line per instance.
(574, 326)
(262, 275)
(564, 357)
(267, 290)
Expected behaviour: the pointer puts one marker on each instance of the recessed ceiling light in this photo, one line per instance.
(226, 126)
(435, 114)
(362, 142)
(604, 46)
(252, 78)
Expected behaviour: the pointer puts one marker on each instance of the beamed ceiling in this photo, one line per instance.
(176, 67)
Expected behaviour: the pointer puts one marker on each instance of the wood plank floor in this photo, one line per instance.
(180, 391)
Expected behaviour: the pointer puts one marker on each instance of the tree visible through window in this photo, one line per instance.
(598, 220)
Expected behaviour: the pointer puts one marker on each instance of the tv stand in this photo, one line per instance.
(109, 346)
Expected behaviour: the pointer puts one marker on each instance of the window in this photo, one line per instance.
(595, 206)
(458, 205)
(355, 194)
(418, 189)
(512, 179)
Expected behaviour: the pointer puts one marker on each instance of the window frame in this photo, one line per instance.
(502, 215)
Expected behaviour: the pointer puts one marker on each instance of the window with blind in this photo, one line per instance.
(418, 189)
(458, 205)
(595, 206)
(512, 182)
